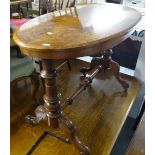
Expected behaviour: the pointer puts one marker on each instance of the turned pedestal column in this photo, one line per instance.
(52, 108)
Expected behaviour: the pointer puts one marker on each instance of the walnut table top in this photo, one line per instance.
(79, 31)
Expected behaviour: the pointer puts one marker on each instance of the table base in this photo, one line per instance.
(53, 109)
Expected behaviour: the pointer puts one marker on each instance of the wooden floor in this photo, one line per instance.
(98, 113)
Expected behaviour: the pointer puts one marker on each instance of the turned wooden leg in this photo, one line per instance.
(70, 130)
(35, 86)
(114, 66)
(51, 97)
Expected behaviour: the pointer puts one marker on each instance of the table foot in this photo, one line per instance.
(70, 130)
(65, 124)
(40, 114)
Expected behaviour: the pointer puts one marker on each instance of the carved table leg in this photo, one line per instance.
(52, 108)
(70, 130)
(115, 68)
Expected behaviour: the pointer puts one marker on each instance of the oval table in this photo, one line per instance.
(78, 31)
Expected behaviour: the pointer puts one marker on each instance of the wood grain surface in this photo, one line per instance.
(85, 30)
(98, 113)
